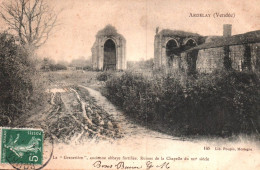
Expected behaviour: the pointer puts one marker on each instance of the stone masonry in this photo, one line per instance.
(109, 50)
(194, 53)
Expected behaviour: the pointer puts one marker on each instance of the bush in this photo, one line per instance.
(87, 68)
(217, 104)
(104, 76)
(56, 67)
(16, 77)
(223, 103)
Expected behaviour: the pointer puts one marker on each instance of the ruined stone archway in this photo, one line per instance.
(109, 55)
(184, 41)
(171, 50)
(190, 43)
(109, 50)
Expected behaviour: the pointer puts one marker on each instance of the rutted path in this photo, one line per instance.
(77, 113)
(94, 122)
(129, 128)
(85, 124)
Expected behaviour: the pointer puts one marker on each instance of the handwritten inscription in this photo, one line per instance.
(165, 165)
(122, 165)
(119, 165)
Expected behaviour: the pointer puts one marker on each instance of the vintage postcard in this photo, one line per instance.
(140, 84)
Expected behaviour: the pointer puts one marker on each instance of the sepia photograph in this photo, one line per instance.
(140, 84)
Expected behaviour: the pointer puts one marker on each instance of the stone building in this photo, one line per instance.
(207, 54)
(109, 50)
(169, 44)
(238, 52)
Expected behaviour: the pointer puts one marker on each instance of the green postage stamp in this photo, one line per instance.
(21, 145)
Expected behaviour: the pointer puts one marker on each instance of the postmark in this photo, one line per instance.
(22, 146)
(48, 147)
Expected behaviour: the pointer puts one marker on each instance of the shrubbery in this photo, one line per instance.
(87, 68)
(104, 76)
(217, 104)
(56, 67)
(17, 78)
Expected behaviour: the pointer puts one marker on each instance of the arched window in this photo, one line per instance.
(171, 47)
(190, 43)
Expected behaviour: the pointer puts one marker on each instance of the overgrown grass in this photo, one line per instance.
(69, 77)
(222, 103)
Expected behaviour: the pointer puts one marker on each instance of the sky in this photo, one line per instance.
(137, 20)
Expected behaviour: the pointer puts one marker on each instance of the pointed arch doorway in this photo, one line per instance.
(109, 55)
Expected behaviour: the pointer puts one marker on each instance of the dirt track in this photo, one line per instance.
(82, 122)
(79, 113)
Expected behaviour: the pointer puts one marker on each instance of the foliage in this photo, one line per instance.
(145, 64)
(217, 104)
(87, 68)
(48, 65)
(178, 33)
(56, 67)
(17, 78)
(104, 76)
(109, 30)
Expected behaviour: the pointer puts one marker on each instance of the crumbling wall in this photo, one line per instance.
(182, 43)
(243, 57)
(239, 52)
(209, 60)
(255, 56)
(237, 56)
(157, 52)
(94, 58)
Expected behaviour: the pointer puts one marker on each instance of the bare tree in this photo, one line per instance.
(32, 20)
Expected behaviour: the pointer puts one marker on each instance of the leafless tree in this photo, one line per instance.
(32, 20)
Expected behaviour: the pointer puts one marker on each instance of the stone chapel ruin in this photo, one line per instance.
(109, 49)
(190, 53)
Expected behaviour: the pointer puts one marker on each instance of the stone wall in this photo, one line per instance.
(237, 56)
(194, 53)
(157, 51)
(212, 59)
(255, 56)
(209, 60)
